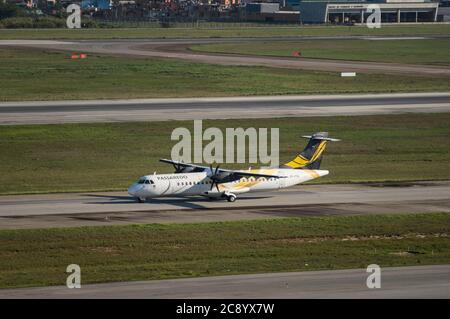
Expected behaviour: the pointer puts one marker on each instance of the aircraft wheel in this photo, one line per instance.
(141, 199)
(231, 198)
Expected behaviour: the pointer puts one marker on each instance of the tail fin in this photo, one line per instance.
(311, 156)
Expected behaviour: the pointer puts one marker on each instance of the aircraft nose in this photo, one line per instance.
(132, 189)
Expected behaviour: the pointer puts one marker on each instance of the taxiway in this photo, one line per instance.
(94, 209)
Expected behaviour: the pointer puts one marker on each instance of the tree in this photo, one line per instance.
(8, 10)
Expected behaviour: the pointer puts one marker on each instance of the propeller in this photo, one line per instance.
(178, 167)
(214, 177)
(181, 168)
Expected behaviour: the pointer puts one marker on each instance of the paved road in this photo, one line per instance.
(67, 210)
(398, 282)
(220, 108)
(170, 49)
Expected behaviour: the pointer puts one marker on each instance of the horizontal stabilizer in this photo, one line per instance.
(321, 136)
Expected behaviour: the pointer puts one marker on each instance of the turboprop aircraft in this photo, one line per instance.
(197, 180)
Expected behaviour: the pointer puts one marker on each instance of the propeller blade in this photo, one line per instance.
(214, 177)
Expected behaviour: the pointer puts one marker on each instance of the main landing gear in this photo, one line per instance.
(231, 198)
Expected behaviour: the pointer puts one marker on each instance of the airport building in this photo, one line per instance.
(355, 11)
(270, 12)
(444, 11)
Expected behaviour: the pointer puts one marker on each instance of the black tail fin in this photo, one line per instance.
(311, 156)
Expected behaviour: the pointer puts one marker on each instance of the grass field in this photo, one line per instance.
(81, 157)
(41, 75)
(142, 252)
(272, 31)
(428, 51)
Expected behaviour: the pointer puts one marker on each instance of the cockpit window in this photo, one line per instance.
(145, 181)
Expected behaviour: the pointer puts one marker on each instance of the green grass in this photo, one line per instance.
(142, 252)
(109, 156)
(272, 31)
(41, 75)
(429, 51)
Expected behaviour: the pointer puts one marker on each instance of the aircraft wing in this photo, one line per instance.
(226, 172)
(249, 174)
(178, 165)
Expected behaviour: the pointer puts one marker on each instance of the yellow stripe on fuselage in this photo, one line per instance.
(245, 182)
(311, 173)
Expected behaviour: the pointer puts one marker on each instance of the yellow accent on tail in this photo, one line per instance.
(299, 161)
(319, 151)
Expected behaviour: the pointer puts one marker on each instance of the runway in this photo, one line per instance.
(396, 282)
(54, 112)
(117, 208)
(170, 49)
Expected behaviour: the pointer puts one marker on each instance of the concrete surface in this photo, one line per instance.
(49, 112)
(93, 209)
(396, 282)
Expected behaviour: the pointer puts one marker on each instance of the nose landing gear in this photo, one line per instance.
(140, 199)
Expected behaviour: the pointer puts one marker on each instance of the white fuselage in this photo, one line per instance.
(191, 184)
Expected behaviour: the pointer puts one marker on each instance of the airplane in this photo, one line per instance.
(219, 183)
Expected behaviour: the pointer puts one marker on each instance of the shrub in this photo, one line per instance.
(9, 10)
(42, 22)
(49, 22)
(18, 22)
(88, 23)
